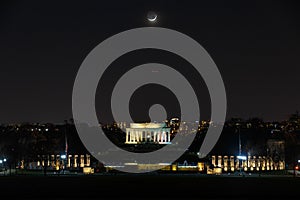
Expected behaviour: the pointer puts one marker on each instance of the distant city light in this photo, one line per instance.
(298, 161)
(46, 129)
(167, 164)
(4, 160)
(63, 156)
(1, 161)
(242, 157)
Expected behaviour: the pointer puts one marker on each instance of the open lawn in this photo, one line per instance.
(150, 186)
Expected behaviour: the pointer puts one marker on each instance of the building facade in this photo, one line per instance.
(140, 133)
(250, 163)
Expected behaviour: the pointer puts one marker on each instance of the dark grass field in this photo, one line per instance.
(149, 186)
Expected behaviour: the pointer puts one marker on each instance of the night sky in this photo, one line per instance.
(255, 44)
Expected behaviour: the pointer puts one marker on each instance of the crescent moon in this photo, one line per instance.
(152, 19)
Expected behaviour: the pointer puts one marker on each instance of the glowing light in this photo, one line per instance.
(167, 164)
(1, 161)
(152, 19)
(242, 157)
(63, 156)
(152, 16)
(131, 163)
(174, 167)
(4, 160)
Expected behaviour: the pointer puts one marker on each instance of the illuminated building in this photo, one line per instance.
(148, 132)
(57, 162)
(251, 163)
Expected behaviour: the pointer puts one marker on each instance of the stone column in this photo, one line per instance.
(138, 138)
(75, 160)
(129, 136)
(134, 136)
(69, 161)
(81, 160)
(126, 137)
(153, 136)
(160, 136)
(147, 132)
(52, 161)
(166, 137)
(88, 160)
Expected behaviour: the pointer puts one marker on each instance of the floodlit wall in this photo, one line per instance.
(251, 163)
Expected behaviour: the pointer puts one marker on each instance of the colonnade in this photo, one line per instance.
(135, 136)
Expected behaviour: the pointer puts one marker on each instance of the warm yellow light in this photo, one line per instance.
(174, 167)
(200, 166)
(88, 170)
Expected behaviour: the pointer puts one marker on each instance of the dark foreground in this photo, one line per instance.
(149, 186)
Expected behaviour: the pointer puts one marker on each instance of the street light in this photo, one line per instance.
(63, 157)
(241, 159)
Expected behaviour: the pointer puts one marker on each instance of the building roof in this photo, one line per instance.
(147, 125)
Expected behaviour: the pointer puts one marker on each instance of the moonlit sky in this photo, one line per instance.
(255, 44)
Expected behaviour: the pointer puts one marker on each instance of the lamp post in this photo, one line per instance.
(239, 157)
(4, 161)
(240, 143)
(63, 157)
(1, 163)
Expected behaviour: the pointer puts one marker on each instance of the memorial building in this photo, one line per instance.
(139, 133)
